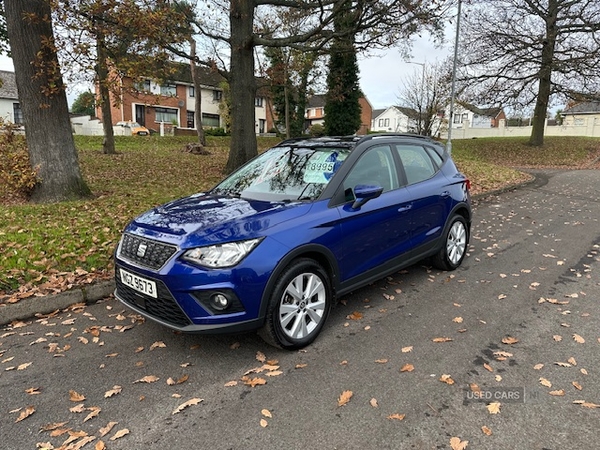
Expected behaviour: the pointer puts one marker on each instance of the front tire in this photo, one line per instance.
(298, 306)
(454, 249)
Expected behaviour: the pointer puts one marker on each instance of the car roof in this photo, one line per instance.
(349, 141)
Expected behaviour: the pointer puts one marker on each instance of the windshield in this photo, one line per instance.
(285, 173)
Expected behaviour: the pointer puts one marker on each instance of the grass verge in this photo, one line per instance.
(50, 248)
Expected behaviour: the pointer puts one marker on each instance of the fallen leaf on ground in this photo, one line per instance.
(107, 429)
(509, 340)
(545, 382)
(172, 382)
(577, 386)
(407, 368)
(355, 316)
(147, 379)
(94, 413)
(446, 379)
(494, 407)
(557, 393)
(119, 434)
(266, 413)
(264, 423)
(457, 444)
(486, 430)
(193, 401)
(158, 344)
(578, 339)
(254, 381)
(114, 391)
(373, 403)
(344, 398)
(397, 416)
(76, 397)
(25, 413)
(407, 349)
(441, 339)
(538, 366)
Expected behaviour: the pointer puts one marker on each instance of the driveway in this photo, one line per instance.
(502, 353)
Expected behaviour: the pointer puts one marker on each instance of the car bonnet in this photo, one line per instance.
(208, 219)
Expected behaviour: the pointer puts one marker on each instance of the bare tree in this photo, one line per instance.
(426, 91)
(44, 102)
(525, 52)
(379, 23)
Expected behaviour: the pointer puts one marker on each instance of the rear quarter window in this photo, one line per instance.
(417, 163)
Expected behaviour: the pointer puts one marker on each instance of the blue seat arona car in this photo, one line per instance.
(275, 243)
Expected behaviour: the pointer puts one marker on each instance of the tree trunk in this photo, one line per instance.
(242, 84)
(108, 143)
(43, 100)
(197, 94)
(545, 74)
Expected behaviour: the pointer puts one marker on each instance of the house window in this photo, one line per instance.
(312, 112)
(386, 122)
(190, 119)
(258, 101)
(261, 125)
(465, 117)
(380, 122)
(192, 91)
(217, 96)
(168, 90)
(457, 118)
(211, 120)
(17, 113)
(167, 115)
(142, 86)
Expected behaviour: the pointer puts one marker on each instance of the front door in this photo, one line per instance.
(140, 115)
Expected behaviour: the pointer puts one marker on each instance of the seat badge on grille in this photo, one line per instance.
(141, 250)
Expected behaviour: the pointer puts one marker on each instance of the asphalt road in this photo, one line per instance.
(531, 280)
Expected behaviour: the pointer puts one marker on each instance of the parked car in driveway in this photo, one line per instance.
(136, 128)
(274, 244)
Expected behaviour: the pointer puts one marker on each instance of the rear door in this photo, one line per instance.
(428, 191)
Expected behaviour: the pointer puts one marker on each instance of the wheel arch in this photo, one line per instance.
(316, 252)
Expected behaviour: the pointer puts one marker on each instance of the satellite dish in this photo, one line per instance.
(181, 103)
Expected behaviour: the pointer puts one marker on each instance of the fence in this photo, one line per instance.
(590, 128)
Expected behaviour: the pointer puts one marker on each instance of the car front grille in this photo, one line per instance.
(164, 307)
(145, 252)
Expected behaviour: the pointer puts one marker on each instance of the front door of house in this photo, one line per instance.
(140, 115)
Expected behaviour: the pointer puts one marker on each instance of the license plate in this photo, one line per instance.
(140, 284)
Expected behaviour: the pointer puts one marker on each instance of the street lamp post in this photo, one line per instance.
(453, 94)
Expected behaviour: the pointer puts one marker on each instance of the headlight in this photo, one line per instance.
(222, 255)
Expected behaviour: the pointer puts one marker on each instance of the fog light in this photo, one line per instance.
(219, 301)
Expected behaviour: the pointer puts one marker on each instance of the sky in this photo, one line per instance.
(381, 75)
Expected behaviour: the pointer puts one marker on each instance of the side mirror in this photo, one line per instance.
(364, 193)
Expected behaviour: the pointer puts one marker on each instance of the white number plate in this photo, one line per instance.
(140, 284)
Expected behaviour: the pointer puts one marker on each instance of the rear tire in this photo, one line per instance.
(454, 249)
(298, 306)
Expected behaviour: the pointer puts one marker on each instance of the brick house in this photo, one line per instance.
(315, 113)
(172, 103)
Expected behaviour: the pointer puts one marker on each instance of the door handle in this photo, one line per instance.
(405, 208)
(445, 194)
